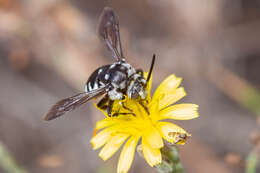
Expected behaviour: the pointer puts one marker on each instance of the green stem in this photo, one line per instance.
(8, 163)
(251, 99)
(252, 162)
(171, 161)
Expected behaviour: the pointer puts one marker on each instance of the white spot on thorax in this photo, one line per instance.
(130, 69)
(100, 70)
(126, 65)
(114, 85)
(112, 66)
(106, 76)
(122, 85)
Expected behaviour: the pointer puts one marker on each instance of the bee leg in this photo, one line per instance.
(145, 108)
(123, 105)
(140, 71)
(109, 107)
(123, 113)
(102, 104)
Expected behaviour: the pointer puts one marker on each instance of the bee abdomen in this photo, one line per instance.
(97, 79)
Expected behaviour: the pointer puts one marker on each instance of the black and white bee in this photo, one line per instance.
(113, 81)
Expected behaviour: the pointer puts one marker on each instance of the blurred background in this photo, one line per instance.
(49, 48)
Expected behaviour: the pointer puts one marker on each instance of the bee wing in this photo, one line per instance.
(71, 103)
(108, 30)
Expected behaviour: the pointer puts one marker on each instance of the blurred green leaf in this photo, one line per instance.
(8, 163)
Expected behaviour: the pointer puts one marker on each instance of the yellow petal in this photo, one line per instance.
(127, 155)
(171, 97)
(100, 139)
(167, 129)
(149, 86)
(140, 111)
(153, 137)
(112, 146)
(149, 82)
(152, 155)
(130, 104)
(154, 108)
(111, 122)
(104, 123)
(180, 112)
(169, 84)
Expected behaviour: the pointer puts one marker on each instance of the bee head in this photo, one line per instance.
(137, 88)
(138, 85)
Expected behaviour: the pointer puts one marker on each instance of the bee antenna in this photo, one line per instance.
(151, 69)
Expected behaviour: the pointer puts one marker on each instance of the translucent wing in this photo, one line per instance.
(108, 30)
(71, 103)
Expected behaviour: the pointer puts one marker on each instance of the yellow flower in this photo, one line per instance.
(146, 125)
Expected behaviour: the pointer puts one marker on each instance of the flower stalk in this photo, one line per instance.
(252, 162)
(171, 160)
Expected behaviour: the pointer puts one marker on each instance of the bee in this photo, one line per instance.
(113, 81)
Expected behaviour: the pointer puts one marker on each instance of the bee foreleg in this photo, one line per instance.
(123, 105)
(109, 107)
(123, 113)
(102, 104)
(145, 108)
